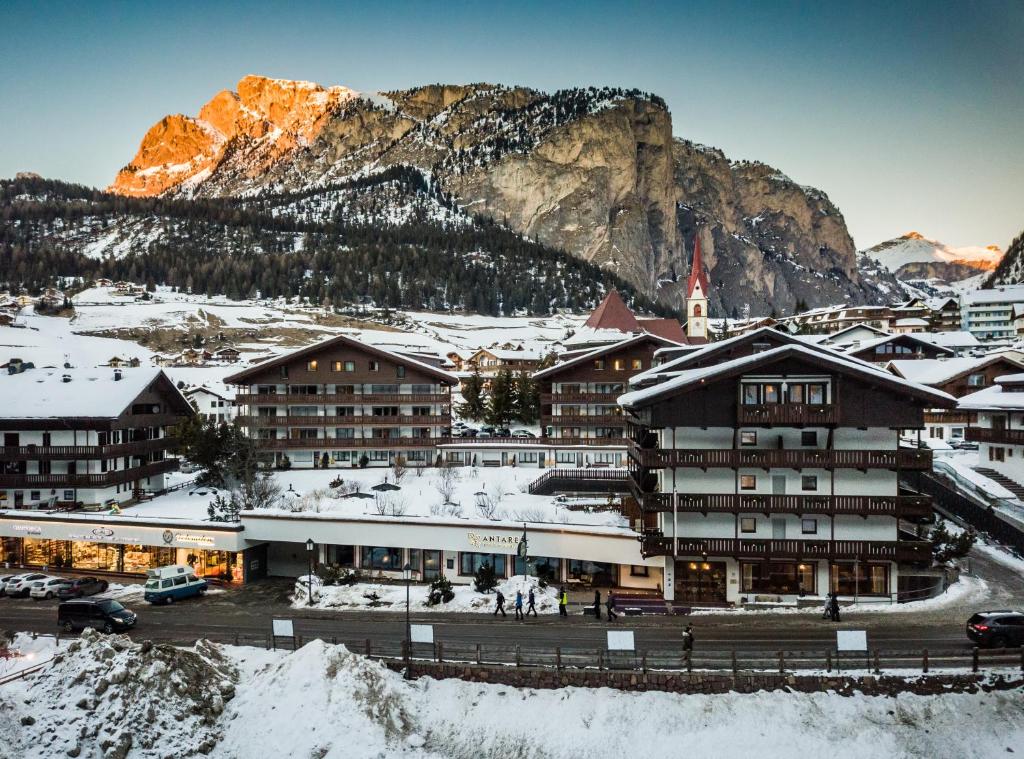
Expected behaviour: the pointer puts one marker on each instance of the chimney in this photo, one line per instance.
(65, 378)
(117, 375)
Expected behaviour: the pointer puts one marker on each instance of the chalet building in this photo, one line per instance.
(944, 313)
(86, 437)
(999, 430)
(330, 404)
(227, 355)
(491, 361)
(910, 325)
(578, 399)
(897, 347)
(958, 377)
(212, 405)
(764, 466)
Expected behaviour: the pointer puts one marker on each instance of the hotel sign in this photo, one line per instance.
(29, 529)
(510, 542)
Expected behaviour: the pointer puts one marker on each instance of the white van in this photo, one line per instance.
(171, 583)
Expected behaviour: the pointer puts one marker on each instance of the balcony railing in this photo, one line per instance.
(98, 480)
(986, 435)
(767, 458)
(335, 421)
(82, 452)
(580, 397)
(860, 505)
(584, 420)
(285, 399)
(947, 417)
(863, 550)
(789, 413)
(340, 443)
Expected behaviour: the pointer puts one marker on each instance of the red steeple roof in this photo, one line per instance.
(697, 273)
(613, 313)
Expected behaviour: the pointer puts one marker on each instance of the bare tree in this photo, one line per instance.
(262, 491)
(486, 506)
(399, 469)
(447, 478)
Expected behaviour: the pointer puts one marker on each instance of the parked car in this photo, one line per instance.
(466, 432)
(488, 429)
(4, 579)
(82, 586)
(503, 432)
(172, 583)
(522, 433)
(47, 589)
(19, 585)
(103, 614)
(997, 629)
(483, 434)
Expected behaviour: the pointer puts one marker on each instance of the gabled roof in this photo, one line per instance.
(243, 376)
(996, 398)
(871, 344)
(689, 379)
(697, 273)
(670, 329)
(613, 313)
(933, 371)
(598, 352)
(837, 336)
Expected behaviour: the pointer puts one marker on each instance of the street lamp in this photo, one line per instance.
(310, 545)
(407, 576)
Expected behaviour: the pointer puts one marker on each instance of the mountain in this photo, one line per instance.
(595, 172)
(914, 257)
(1010, 270)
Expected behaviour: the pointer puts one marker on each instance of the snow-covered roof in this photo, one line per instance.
(601, 351)
(91, 393)
(688, 377)
(912, 321)
(916, 337)
(994, 397)
(1002, 294)
(933, 371)
(954, 339)
(504, 354)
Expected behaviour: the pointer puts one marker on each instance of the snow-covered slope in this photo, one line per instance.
(913, 248)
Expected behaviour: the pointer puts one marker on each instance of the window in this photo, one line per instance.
(976, 380)
(375, 366)
(809, 482)
(748, 524)
(638, 571)
(776, 577)
(771, 393)
(469, 563)
(284, 371)
(599, 363)
(748, 482)
(809, 526)
(342, 456)
(311, 366)
(636, 365)
(808, 437)
(816, 393)
(545, 567)
(748, 437)
(750, 395)
(862, 579)
(592, 572)
(344, 366)
(796, 393)
(376, 557)
(528, 457)
(400, 371)
(33, 495)
(619, 364)
(565, 457)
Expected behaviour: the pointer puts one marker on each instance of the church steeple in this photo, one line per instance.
(697, 296)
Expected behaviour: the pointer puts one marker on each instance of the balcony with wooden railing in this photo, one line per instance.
(948, 417)
(769, 458)
(789, 413)
(341, 399)
(734, 503)
(583, 420)
(581, 397)
(988, 435)
(97, 480)
(401, 420)
(82, 452)
(903, 551)
(341, 443)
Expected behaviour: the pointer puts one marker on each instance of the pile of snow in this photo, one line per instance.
(370, 595)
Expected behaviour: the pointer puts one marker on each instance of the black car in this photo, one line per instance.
(81, 587)
(998, 629)
(100, 614)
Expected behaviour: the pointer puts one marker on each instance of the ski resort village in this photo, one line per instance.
(524, 413)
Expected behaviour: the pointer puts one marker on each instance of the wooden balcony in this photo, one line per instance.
(948, 417)
(986, 435)
(789, 414)
(332, 444)
(344, 399)
(769, 458)
(582, 397)
(593, 420)
(340, 421)
(734, 503)
(82, 452)
(902, 551)
(98, 480)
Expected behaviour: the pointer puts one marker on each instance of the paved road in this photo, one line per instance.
(247, 612)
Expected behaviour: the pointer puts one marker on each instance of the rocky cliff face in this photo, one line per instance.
(595, 172)
(1010, 270)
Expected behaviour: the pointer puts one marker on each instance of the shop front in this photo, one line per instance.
(116, 547)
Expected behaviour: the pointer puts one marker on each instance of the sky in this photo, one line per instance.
(910, 115)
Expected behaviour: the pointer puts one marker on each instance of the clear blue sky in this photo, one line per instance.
(909, 115)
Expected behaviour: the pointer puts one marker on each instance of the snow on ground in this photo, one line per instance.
(51, 340)
(368, 595)
(107, 696)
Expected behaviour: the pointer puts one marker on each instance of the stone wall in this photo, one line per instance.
(714, 682)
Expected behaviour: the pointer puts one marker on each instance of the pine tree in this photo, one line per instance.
(526, 398)
(473, 395)
(501, 402)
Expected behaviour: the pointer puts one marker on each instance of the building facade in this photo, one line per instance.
(342, 403)
(766, 468)
(998, 426)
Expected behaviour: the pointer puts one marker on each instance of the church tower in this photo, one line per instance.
(697, 296)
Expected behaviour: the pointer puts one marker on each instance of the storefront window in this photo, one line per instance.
(342, 556)
(544, 567)
(781, 577)
(415, 557)
(592, 572)
(377, 557)
(469, 563)
(860, 579)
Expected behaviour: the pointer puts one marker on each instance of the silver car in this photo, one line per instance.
(19, 585)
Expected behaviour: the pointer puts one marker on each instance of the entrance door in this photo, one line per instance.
(778, 484)
(431, 565)
(698, 581)
(778, 529)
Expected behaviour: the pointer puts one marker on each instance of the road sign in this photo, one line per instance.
(620, 640)
(851, 640)
(283, 628)
(421, 633)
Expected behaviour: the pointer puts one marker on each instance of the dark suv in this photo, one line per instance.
(80, 587)
(998, 629)
(100, 614)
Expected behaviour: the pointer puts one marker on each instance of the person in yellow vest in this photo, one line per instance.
(563, 602)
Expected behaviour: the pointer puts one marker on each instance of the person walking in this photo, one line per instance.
(531, 604)
(826, 613)
(499, 604)
(597, 604)
(519, 605)
(835, 608)
(609, 605)
(688, 642)
(563, 602)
